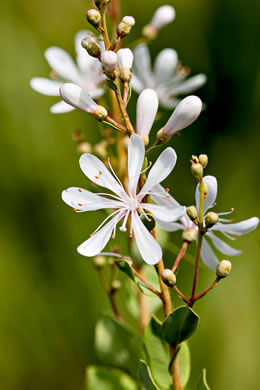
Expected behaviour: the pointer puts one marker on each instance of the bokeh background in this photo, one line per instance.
(50, 296)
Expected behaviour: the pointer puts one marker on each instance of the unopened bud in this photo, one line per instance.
(101, 149)
(125, 61)
(149, 32)
(203, 159)
(211, 219)
(84, 147)
(189, 235)
(115, 285)
(109, 61)
(204, 189)
(192, 212)
(93, 17)
(223, 268)
(162, 16)
(125, 26)
(100, 3)
(168, 277)
(194, 159)
(92, 47)
(99, 261)
(100, 113)
(146, 110)
(197, 170)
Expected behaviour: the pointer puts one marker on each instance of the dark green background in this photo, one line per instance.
(49, 295)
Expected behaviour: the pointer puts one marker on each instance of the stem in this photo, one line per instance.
(125, 93)
(204, 292)
(183, 297)
(110, 294)
(143, 310)
(104, 26)
(153, 290)
(180, 256)
(116, 124)
(123, 111)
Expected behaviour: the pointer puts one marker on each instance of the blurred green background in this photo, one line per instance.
(50, 296)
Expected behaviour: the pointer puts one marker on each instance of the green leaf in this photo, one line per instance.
(180, 325)
(117, 346)
(111, 84)
(202, 383)
(184, 363)
(129, 93)
(108, 379)
(146, 377)
(125, 267)
(113, 126)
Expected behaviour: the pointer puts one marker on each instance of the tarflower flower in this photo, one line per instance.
(224, 226)
(166, 78)
(87, 73)
(124, 203)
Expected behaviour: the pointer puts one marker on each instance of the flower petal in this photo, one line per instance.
(208, 256)
(136, 84)
(60, 61)
(61, 108)
(146, 110)
(165, 64)
(164, 213)
(46, 86)
(162, 197)
(238, 228)
(96, 93)
(212, 194)
(142, 65)
(76, 97)
(170, 226)
(136, 152)
(161, 169)
(222, 247)
(149, 248)
(190, 85)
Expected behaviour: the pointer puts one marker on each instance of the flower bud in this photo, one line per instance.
(99, 261)
(184, 115)
(100, 113)
(115, 285)
(109, 61)
(211, 219)
(168, 277)
(84, 147)
(197, 170)
(92, 47)
(125, 26)
(192, 212)
(223, 268)
(101, 149)
(100, 3)
(162, 16)
(93, 17)
(203, 159)
(125, 61)
(146, 110)
(189, 235)
(204, 189)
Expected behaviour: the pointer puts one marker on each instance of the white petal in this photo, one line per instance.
(109, 60)
(46, 86)
(97, 93)
(62, 63)
(136, 152)
(238, 228)
(161, 169)
(165, 64)
(170, 226)
(136, 84)
(184, 115)
(167, 214)
(149, 248)
(222, 247)
(61, 108)
(142, 65)
(208, 256)
(160, 196)
(98, 241)
(212, 194)
(84, 60)
(76, 97)
(162, 16)
(146, 110)
(84, 200)
(125, 58)
(189, 85)
(96, 171)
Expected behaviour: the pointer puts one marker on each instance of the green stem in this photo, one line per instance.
(104, 26)
(123, 111)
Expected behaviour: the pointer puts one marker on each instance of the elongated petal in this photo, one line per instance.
(149, 248)
(62, 63)
(167, 214)
(84, 200)
(162, 16)
(222, 247)
(208, 256)
(212, 194)
(84, 60)
(94, 245)
(136, 152)
(61, 108)
(125, 58)
(162, 197)
(96, 93)
(161, 169)
(184, 115)
(136, 84)
(142, 65)
(165, 64)
(46, 86)
(96, 171)
(190, 85)
(146, 110)
(170, 226)
(238, 228)
(76, 97)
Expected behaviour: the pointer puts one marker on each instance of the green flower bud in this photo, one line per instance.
(194, 159)
(223, 268)
(92, 47)
(189, 235)
(197, 170)
(93, 17)
(115, 285)
(203, 159)
(168, 277)
(125, 26)
(211, 219)
(99, 261)
(192, 212)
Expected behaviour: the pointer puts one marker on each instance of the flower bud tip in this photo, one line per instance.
(168, 277)
(223, 268)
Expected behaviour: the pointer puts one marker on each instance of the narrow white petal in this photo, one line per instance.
(96, 93)
(45, 86)
(125, 58)
(84, 60)
(96, 171)
(222, 247)
(167, 214)
(212, 194)
(190, 85)
(76, 97)
(142, 65)
(149, 248)
(208, 256)
(238, 228)
(136, 84)
(146, 110)
(62, 63)
(165, 64)
(61, 108)
(184, 115)
(136, 152)
(160, 196)
(162, 16)
(98, 241)
(170, 226)
(161, 169)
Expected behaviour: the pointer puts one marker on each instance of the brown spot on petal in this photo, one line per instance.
(96, 177)
(75, 210)
(80, 190)
(167, 189)
(100, 172)
(80, 204)
(92, 234)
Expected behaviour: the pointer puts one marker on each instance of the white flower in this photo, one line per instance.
(162, 16)
(124, 203)
(146, 110)
(223, 226)
(87, 73)
(166, 78)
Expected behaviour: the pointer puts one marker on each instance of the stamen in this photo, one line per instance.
(144, 213)
(123, 227)
(75, 210)
(107, 194)
(227, 212)
(105, 220)
(113, 172)
(138, 174)
(228, 236)
(96, 177)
